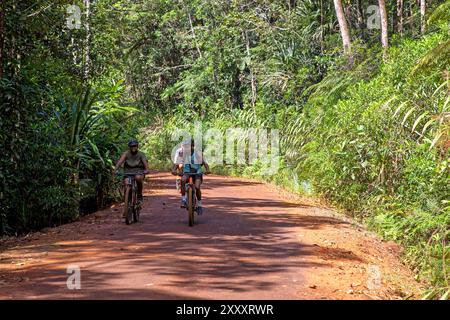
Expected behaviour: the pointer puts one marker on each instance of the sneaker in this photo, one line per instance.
(183, 203)
(199, 211)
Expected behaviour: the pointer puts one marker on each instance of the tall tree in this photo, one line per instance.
(343, 26)
(384, 25)
(87, 45)
(423, 6)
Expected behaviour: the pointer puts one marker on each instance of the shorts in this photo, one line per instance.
(195, 177)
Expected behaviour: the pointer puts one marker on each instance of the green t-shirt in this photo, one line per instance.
(134, 163)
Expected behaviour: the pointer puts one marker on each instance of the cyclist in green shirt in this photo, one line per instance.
(134, 162)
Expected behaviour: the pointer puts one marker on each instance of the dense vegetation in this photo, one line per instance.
(363, 123)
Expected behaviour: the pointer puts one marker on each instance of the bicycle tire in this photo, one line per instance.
(136, 204)
(191, 206)
(136, 213)
(128, 208)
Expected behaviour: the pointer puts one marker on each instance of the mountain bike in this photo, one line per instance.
(132, 207)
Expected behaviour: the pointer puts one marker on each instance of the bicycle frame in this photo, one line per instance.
(131, 181)
(189, 183)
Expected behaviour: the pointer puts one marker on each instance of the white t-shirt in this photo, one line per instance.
(181, 159)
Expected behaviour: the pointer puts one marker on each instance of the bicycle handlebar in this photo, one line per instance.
(130, 174)
(190, 174)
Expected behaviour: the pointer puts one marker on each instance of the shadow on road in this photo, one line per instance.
(245, 242)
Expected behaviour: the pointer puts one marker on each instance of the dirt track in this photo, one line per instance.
(251, 243)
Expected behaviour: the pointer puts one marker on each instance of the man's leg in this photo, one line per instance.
(139, 182)
(184, 179)
(198, 191)
(125, 182)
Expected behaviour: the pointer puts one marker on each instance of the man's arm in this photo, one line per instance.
(146, 166)
(207, 168)
(120, 161)
(206, 165)
(177, 160)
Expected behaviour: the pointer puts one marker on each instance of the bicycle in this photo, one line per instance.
(191, 198)
(132, 206)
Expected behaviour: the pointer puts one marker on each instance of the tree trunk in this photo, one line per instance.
(400, 17)
(342, 26)
(74, 52)
(423, 5)
(384, 26)
(87, 45)
(2, 34)
(252, 76)
(321, 27)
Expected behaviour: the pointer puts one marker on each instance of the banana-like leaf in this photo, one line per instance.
(436, 139)
(418, 120)
(407, 115)
(96, 151)
(398, 109)
(425, 127)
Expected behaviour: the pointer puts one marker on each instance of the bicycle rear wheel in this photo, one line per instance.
(191, 206)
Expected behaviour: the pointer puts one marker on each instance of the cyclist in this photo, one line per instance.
(192, 161)
(179, 153)
(134, 161)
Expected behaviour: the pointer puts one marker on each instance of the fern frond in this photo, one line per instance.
(437, 54)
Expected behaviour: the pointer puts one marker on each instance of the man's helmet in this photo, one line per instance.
(187, 142)
(132, 143)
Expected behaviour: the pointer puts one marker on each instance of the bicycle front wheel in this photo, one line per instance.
(136, 212)
(191, 206)
(128, 205)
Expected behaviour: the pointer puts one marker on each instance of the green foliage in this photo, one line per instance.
(381, 153)
(55, 129)
(370, 135)
(371, 139)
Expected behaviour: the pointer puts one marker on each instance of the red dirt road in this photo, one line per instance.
(251, 243)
